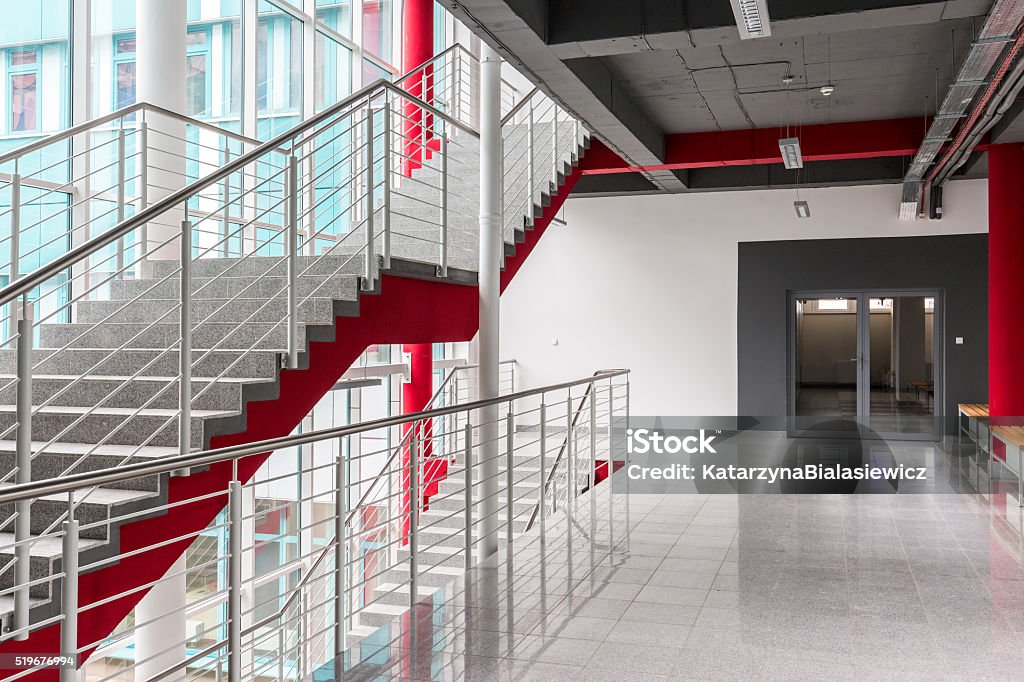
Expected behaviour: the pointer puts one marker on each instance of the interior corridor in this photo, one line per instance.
(866, 587)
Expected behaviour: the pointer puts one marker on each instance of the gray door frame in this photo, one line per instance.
(863, 296)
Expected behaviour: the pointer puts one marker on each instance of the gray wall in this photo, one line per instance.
(768, 271)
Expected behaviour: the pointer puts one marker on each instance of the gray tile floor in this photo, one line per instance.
(925, 586)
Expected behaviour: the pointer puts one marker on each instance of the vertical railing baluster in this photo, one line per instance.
(442, 270)
(414, 516)
(185, 352)
(341, 586)
(554, 145)
(225, 196)
(292, 235)
(509, 477)
(143, 192)
(235, 581)
(120, 192)
(467, 472)
(69, 596)
(23, 455)
(592, 477)
(386, 211)
(531, 183)
(368, 275)
(570, 488)
(543, 464)
(15, 246)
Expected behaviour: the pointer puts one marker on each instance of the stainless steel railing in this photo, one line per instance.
(386, 541)
(129, 343)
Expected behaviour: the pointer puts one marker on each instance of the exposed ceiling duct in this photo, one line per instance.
(1000, 30)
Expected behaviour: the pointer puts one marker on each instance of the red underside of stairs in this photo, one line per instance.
(405, 311)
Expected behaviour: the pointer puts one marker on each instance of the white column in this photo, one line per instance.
(160, 638)
(490, 272)
(160, 79)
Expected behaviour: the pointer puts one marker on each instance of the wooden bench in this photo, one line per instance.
(973, 422)
(927, 388)
(1008, 446)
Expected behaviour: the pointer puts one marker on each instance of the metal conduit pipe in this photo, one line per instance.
(1000, 28)
(995, 110)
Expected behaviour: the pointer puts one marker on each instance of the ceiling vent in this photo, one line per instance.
(751, 18)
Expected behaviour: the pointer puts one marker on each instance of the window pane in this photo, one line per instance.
(23, 57)
(23, 102)
(125, 46)
(125, 84)
(377, 28)
(195, 85)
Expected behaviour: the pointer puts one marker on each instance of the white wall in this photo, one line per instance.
(649, 283)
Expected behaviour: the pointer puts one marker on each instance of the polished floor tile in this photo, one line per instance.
(925, 586)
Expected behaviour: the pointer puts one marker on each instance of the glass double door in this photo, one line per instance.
(866, 363)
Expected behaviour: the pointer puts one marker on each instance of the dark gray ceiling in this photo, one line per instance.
(636, 70)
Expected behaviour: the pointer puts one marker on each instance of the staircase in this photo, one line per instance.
(109, 386)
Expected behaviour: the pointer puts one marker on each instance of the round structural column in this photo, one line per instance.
(417, 48)
(1006, 280)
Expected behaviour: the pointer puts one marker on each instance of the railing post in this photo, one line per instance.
(530, 180)
(69, 596)
(592, 477)
(575, 138)
(120, 196)
(143, 191)
(570, 479)
(543, 463)
(225, 195)
(386, 214)
(456, 107)
(23, 508)
(414, 516)
(467, 471)
(292, 235)
(12, 312)
(368, 275)
(341, 586)
(554, 143)
(442, 270)
(185, 352)
(235, 582)
(509, 477)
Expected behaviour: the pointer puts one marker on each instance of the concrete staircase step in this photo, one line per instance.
(124, 391)
(52, 460)
(118, 425)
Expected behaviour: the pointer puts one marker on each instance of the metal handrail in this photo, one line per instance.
(294, 591)
(565, 443)
(30, 281)
(519, 105)
(27, 491)
(114, 115)
(415, 70)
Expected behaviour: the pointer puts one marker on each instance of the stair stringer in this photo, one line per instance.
(408, 309)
